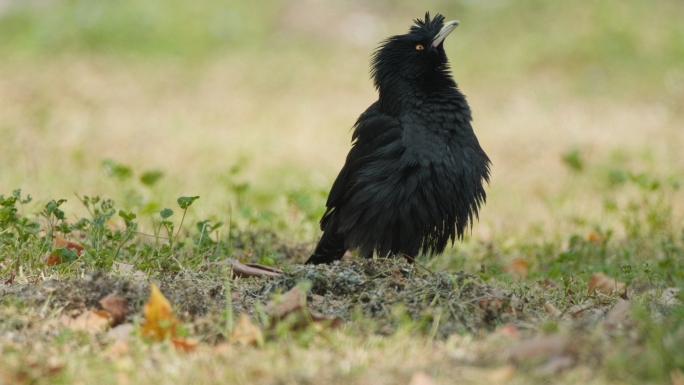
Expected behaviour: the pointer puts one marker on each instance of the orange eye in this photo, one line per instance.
(419, 47)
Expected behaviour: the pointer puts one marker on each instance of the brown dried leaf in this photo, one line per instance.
(69, 245)
(604, 284)
(617, 314)
(249, 270)
(291, 301)
(246, 333)
(552, 310)
(121, 332)
(10, 280)
(578, 310)
(264, 267)
(334, 322)
(91, 321)
(509, 330)
(294, 301)
(117, 308)
(185, 345)
(547, 284)
(492, 304)
(51, 259)
(537, 347)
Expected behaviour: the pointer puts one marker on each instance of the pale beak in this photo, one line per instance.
(444, 32)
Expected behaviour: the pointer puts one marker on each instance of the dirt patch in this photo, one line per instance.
(386, 292)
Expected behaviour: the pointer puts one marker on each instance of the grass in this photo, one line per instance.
(111, 111)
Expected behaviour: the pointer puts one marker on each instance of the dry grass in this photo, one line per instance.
(291, 119)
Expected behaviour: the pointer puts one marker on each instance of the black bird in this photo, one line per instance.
(413, 179)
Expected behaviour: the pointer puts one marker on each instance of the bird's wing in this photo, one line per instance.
(372, 131)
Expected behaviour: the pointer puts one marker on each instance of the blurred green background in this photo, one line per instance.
(249, 105)
(630, 47)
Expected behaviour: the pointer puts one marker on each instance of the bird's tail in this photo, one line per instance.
(330, 248)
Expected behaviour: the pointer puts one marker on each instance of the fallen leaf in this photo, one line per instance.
(596, 238)
(518, 267)
(547, 284)
(537, 347)
(604, 284)
(294, 301)
(249, 270)
(51, 259)
(578, 310)
(264, 267)
(185, 345)
(617, 314)
(502, 375)
(552, 310)
(160, 322)
(91, 321)
(509, 330)
(121, 332)
(492, 304)
(291, 301)
(117, 308)
(246, 333)
(320, 318)
(421, 378)
(69, 245)
(10, 280)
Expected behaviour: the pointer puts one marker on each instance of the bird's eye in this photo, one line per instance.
(419, 47)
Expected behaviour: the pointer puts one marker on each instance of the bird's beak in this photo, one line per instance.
(444, 32)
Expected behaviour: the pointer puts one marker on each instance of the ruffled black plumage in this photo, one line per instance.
(414, 178)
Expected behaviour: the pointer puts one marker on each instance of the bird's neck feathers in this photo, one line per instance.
(399, 91)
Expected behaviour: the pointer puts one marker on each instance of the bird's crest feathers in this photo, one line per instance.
(430, 27)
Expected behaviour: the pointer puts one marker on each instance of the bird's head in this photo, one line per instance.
(415, 55)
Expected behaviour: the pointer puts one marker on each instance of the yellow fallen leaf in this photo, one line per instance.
(160, 322)
(246, 333)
